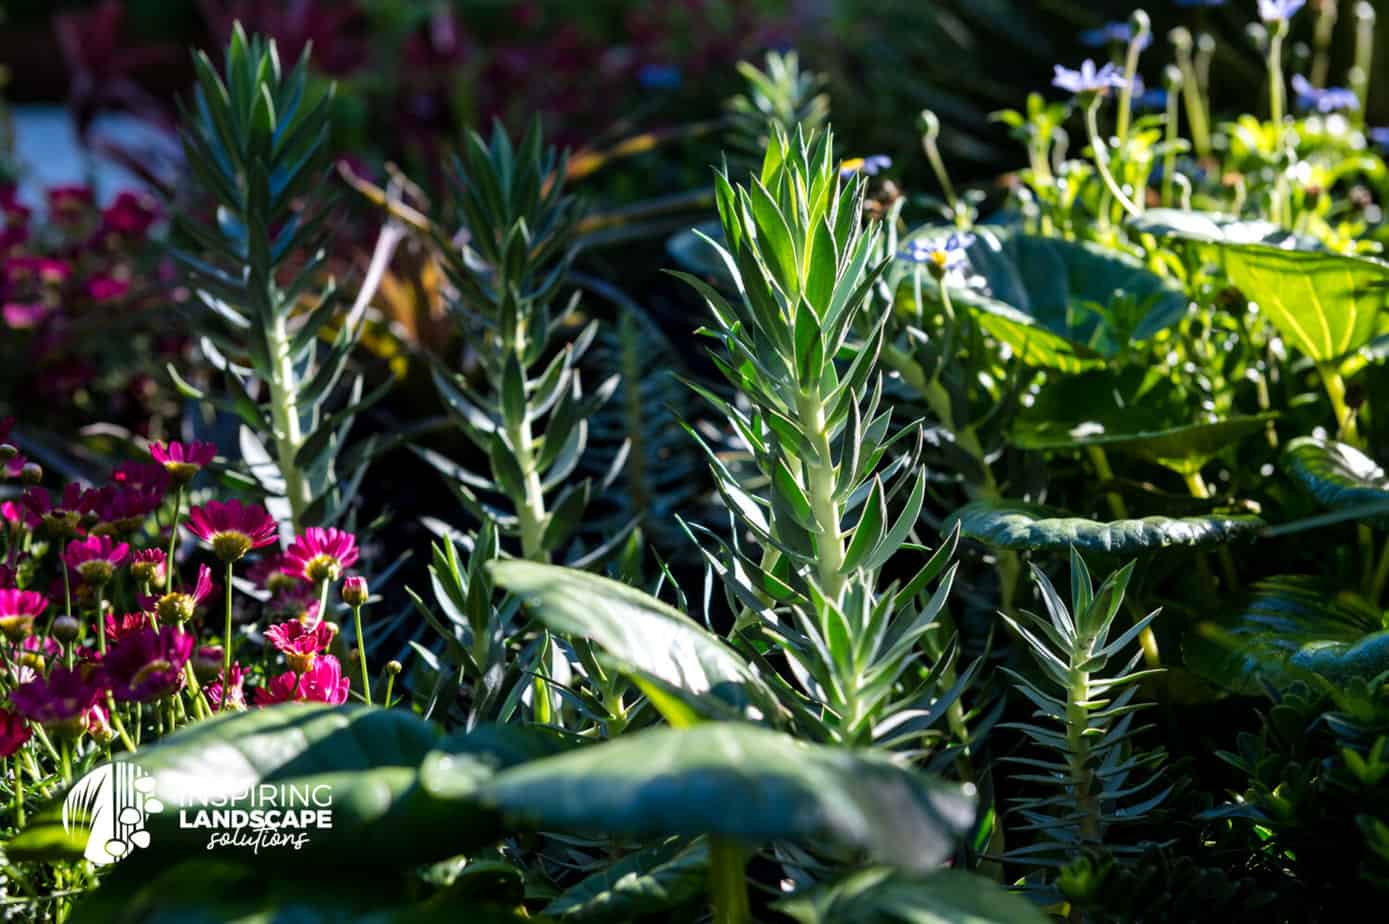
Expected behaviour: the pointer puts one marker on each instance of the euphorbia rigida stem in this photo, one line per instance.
(728, 884)
(227, 647)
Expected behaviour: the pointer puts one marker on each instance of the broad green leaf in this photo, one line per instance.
(1017, 525)
(224, 891)
(1134, 411)
(1063, 305)
(742, 783)
(1340, 477)
(1290, 627)
(1218, 228)
(881, 896)
(370, 759)
(636, 629)
(651, 881)
(1325, 305)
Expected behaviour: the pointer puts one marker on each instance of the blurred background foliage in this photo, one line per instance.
(418, 72)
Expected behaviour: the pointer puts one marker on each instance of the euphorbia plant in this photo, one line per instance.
(256, 141)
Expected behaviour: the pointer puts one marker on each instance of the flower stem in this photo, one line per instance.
(173, 540)
(1381, 576)
(1277, 90)
(1101, 149)
(728, 885)
(227, 645)
(390, 683)
(362, 653)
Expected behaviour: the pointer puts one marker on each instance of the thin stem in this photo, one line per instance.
(1197, 486)
(227, 645)
(1381, 576)
(1277, 90)
(1169, 158)
(1335, 387)
(362, 653)
(173, 540)
(728, 885)
(1101, 150)
(390, 683)
(1192, 97)
(13, 765)
(1101, 463)
(1135, 49)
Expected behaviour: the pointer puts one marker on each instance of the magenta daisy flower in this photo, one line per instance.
(59, 516)
(323, 683)
(268, 573)
(120, 510)
(146, 665)
(232, 529)
(60, 701)
(14, 732)
(321, 554)
(147, 566)
(18, 608)
(237, 696)
(119, 627)
(183, 461)
(146, 476)
(95, 558)
(355, 591)
(299, 644)
(179, 606)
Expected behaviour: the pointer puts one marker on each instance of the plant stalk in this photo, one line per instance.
(728, 885)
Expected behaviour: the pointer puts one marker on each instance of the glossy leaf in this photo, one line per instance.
(1291, 626)
(369, 757)
(651, 881)
(637, 629)
(1017, 525)
(742, 783)
(1325, 305)
(881, 896)
(1064, 305)
(1340, 477)
(1218, 228)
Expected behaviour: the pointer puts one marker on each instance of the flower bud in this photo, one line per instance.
(930, 126)
(8, 451)
(393, 668)
(207, 663)
(66, 629)
(355, 591)
(17, 628)
(31, 473)
(1140, 24)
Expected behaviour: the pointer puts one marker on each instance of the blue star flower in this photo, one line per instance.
(1271, 11)
(1111, 33)
(941, 257)
(1332, 99)
(1088, 79)
(1380, 138)
(868, 166)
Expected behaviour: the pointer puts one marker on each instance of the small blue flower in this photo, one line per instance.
(1088, 79)
(1332, 99)
(941, 257)
(1111, 33)
(1271, 11)
(868, 166)
(659, 77)
(1154, 100)
(1380, 138)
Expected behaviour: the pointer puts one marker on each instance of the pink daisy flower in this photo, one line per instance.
(119, 627)
(146, 665)
(60, 701)
(299, 644)
(213, 691)
(232, 529)
(95, 558)
(147, 566)
(323, 683)
(183, 461)
(321, 554)
(179, 606)
(14, 732)
(18, 608)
